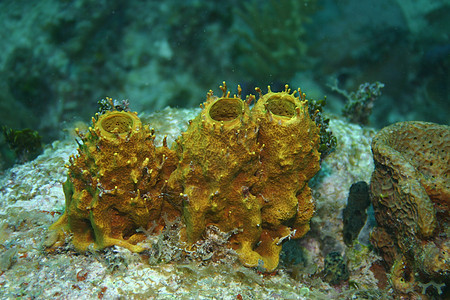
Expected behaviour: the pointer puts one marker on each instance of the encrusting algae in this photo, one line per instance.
(242, 170)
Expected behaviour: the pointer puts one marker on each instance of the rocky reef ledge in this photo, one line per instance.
(32, 198)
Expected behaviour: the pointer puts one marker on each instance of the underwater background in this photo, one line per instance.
(60, 58)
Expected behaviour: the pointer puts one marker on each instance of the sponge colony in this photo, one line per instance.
(247, 171)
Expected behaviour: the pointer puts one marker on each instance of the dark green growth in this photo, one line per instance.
(360, 103)
(327, 140)
(273, 38)
(336, 269)
(355, 214)
(292, 254)
(109, 104)
(25, 143)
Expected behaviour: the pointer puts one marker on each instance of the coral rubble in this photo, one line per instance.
(410, 192)
(114, 184)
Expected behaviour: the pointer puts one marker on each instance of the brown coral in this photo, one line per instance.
(114, 184)
(410, 191)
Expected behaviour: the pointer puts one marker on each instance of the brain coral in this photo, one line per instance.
(114, 184)
(410, 192)
(247, 171)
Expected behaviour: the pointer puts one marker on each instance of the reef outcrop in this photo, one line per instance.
(114, 184)
(410, 192)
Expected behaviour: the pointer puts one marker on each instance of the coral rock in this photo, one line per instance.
(410, 192)
(114, 184)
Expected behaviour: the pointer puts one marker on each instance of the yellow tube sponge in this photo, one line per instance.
(289, 158)
(219, 157)
(114, 184)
